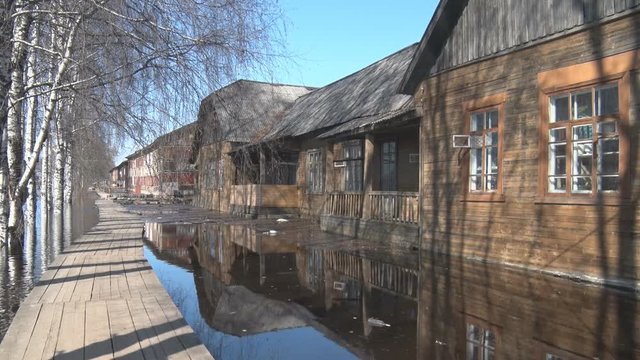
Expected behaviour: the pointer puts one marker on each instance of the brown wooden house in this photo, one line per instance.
(357, 146)
(542, 97)
(230, 121)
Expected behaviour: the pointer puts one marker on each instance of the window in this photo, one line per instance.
(481, 343)
(583, 140)
(483, 156)
(389, 166)
(352, 155)
(315, 171)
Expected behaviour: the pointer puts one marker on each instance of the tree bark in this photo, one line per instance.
(14, 121)
(29, 133)
(58, 195)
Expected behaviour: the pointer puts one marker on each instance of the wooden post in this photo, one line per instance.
(368, 175)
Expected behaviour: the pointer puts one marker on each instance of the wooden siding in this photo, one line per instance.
(277, 196)
(594, 239)
(488, 27)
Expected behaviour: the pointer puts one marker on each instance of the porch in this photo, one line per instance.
(375, 193)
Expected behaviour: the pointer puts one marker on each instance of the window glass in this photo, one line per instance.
(559, 108)
(607, 100)
(582, 105)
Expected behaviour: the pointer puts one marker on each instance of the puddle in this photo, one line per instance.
(300, 293)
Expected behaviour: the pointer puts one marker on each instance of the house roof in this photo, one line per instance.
(465, 31)
(178, 136)
(245, 111)
(366, 95)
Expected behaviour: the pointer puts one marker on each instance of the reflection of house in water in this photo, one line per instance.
(481, 311)
(342, 290)
(171, 239)
(247, 280)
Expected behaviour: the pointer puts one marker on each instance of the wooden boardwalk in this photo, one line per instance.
(100, 299)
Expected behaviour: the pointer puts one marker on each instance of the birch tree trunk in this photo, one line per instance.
(58, 195)
(14, 122)
(45, 196)
(67, 193)
(29, 133)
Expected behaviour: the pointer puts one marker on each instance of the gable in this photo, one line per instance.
(486, 28)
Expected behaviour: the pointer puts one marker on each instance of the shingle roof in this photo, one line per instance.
(367, 94)
(245, 111)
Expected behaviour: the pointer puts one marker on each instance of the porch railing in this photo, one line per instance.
(394, 206)
(345, 204)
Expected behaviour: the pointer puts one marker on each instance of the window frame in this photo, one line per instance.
(485, 104)
(319, 189)
(353, 161)
(590, 75)
(485, 326)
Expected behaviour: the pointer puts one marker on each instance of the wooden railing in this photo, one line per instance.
(401, 207)
(345, 204)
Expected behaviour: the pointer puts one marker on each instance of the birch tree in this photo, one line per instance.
(139, 65)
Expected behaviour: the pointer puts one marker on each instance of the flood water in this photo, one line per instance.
(20, 272)
(301, 294)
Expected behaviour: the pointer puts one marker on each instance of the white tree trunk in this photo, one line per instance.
(15, 210)
(14, 122)
(29, 133)
(58, 197)
(45, 196)
(3, 187)
(67, 194)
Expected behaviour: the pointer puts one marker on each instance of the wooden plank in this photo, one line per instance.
(123, 334)
(97, 339)
(70, 343)
(187, 338)
(164, 330)
(16, 340)
(149, 341)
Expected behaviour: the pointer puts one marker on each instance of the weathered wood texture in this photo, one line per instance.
(101, 299)
(531, 315)
(488, 27)
(593, 239)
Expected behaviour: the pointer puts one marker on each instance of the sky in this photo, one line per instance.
(331, 39)
(328, 40)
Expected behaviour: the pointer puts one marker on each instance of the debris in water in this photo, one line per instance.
(438, 342)
(338, 285)
(272, 232)
(281, 220)
(377, 322)
(355, 318)
(244, 330)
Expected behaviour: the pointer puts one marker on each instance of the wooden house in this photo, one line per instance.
(357, 145)
(163, 168)
(542, 99)
(119, 175)
(230, 120)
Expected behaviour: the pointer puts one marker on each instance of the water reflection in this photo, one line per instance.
(20, 272)
(249, 284)
(252, 295)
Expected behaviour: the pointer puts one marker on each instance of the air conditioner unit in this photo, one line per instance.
(339, 164)
(461, 141)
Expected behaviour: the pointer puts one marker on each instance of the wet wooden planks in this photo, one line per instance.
(101, 300)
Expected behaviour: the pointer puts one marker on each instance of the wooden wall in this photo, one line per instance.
(598, 240)
(488, 27)
(530, 314)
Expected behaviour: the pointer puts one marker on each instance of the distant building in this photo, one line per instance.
(119, 175)
(163, 168)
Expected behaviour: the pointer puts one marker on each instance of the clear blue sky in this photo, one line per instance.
(331, 39)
